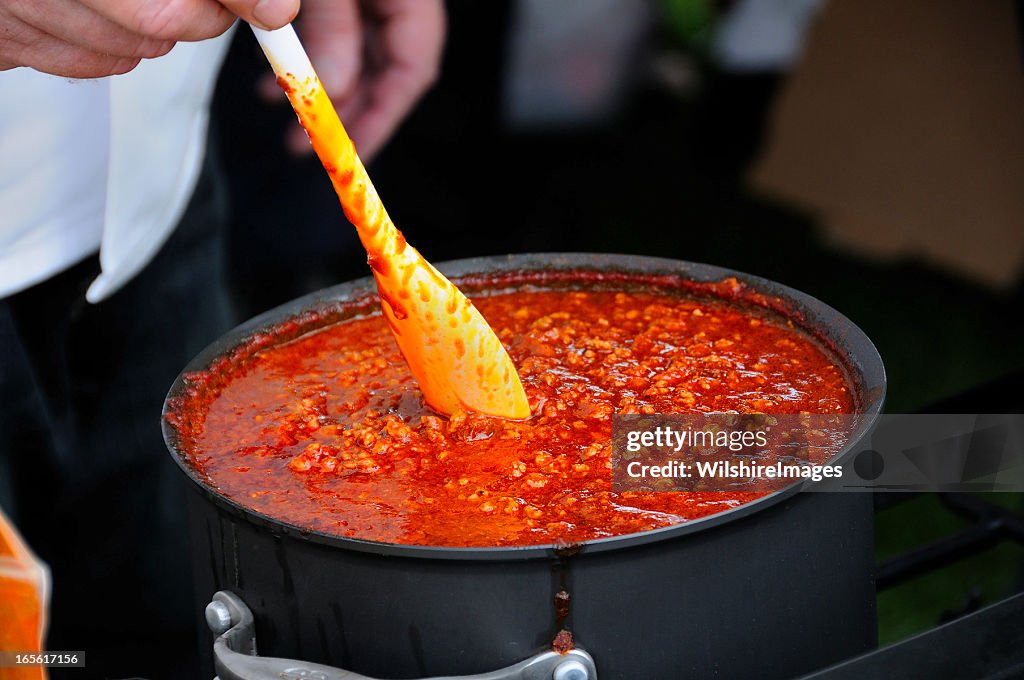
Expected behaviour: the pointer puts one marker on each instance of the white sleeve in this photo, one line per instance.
(159, 115)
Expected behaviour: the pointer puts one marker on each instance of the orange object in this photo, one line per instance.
(456, 358)
(24, 589)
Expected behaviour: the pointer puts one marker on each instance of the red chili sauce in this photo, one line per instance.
(328, 431)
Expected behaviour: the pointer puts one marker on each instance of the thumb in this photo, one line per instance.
(265, 14)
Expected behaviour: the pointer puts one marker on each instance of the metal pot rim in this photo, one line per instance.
(860, 356)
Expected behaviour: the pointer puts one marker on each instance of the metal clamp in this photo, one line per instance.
(234, 654)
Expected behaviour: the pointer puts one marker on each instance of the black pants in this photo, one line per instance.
(83, 470)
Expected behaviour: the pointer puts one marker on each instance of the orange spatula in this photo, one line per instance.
(458, 361)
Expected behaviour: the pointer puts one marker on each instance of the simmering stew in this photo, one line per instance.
(328, 431)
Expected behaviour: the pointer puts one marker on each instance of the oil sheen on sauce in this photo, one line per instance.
(328, 431)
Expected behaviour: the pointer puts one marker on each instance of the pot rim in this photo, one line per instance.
(861, 359)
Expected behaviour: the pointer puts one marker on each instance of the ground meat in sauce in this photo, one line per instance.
(329, 431)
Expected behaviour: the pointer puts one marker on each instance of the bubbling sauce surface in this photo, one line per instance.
(329, 432)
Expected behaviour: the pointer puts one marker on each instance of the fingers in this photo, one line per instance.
(74, 23)
(405, 40)
(332, 32)
(166, 19)
(25, 45)
(93, 38)
(409, 48)
(265, 14)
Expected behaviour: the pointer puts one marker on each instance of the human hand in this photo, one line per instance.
(95, 38)
(375, 59)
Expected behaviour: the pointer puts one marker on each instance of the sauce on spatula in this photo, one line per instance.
(455, 356)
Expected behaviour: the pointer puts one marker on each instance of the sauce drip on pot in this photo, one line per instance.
(328, 432)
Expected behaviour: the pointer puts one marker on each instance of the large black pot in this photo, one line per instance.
(770, 589)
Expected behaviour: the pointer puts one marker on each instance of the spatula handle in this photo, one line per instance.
(285, 53)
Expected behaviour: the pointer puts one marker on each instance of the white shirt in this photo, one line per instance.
(106, 164)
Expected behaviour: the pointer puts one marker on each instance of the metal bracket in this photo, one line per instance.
(234, 654)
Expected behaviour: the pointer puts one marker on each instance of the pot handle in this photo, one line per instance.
(234, 655)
